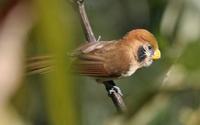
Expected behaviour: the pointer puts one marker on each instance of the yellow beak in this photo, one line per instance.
(156, 55)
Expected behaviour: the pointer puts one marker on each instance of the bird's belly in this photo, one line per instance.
(131, 70)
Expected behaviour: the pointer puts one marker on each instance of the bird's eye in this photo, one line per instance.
(150, 47)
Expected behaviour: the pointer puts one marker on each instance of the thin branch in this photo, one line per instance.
(115, 96)
(85, 22)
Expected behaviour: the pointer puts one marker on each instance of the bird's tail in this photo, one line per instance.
(39, 65)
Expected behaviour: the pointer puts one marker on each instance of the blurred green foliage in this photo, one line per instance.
(167, 93)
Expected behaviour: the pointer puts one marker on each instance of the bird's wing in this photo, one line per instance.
(91, 58)
(90, 66)
(89, 47)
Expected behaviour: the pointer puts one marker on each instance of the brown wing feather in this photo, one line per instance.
(97, 62)
(89, 61)
(89, 47)
(90, 65)
(89, 68)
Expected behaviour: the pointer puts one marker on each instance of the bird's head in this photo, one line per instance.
(146, 46)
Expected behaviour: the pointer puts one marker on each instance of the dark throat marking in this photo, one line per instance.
(141, 54)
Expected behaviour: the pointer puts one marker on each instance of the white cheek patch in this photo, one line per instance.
(147, 52)
(148, 63)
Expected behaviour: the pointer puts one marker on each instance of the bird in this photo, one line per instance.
(111, 60)
(108, 60)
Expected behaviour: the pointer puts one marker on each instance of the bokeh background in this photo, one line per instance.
(166, 93)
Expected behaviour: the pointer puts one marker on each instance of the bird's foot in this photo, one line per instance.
(115, 89)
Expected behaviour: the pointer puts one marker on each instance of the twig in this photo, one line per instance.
(116, 97)
(85, 22)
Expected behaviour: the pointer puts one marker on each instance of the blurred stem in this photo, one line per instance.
(59, 86)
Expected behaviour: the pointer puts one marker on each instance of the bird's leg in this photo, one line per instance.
(112, 88)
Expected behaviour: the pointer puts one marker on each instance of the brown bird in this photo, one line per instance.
(108, 60)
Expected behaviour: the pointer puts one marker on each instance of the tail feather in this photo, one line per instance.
(39, 65)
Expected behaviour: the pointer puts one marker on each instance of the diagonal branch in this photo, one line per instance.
(85, 22)
(115, 96)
